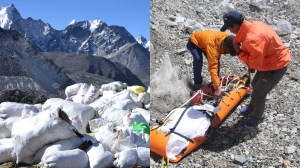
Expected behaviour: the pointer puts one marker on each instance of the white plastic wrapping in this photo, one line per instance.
(126, 158)
(6, 148)
(66, 159)
(78, 113)
(62, 145)
(72, 90)
(30, 134)
(98, 157)
(6, 126)
(11, 109)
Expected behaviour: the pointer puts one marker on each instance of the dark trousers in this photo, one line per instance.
(197, 61)
(262, 83)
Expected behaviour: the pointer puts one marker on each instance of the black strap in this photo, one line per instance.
(172, 130)
(186, 138)
(77, 133)
(210, 115)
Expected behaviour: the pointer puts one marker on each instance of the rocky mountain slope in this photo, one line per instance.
(88, 37)
(275, 142)
(25, 68)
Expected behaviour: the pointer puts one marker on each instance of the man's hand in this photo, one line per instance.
(218, 93)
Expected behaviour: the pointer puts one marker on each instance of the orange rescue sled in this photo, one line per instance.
(159, 140)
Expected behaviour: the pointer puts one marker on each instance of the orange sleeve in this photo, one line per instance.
(213, 65)
(253, 53)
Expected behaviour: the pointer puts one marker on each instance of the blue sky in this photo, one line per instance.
(134, 15)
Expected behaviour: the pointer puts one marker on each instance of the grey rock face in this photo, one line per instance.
(24, 68)
(85, 37)
(275, 142)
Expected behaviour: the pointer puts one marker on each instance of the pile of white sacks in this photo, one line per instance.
(106, 127)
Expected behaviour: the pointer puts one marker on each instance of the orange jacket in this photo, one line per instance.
(262, 48)
(210, 42)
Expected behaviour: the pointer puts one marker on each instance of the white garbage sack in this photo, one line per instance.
(98, 157)
(115, 86)
(99, 105)
(6, 126)
(78, 113)
(65, 159)
(107, 94)
(107, 135)
(79, 97)
(127, 104)
(11, 109)
(30, 134)
(91, 95)
(145, 113)
(143, 157)
(61, 145)
(95, 124)
(72, 90)
(6, 148)
(126, 158)
(124, 95)
(114, 115)
(134, 116)
(30, 111)
(133, 157)
(128, 139)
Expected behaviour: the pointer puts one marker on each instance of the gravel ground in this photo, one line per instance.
(275, 142)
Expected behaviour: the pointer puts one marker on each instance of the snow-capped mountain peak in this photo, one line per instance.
(95, 24)
(72, 22)
(144, 42)
(7, 15)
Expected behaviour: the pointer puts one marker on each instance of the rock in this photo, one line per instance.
(258, 3)
(283, 27)
(181, 51)
(290, 149)
(240, 159)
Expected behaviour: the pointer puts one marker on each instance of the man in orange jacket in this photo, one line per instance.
(212, 44)
(261, 49)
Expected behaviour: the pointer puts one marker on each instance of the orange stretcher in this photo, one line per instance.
(159, 140)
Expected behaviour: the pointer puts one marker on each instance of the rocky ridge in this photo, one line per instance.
(275, 142)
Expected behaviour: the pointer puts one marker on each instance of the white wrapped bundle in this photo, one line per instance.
(125, 95)
(6, 148)
(62, 145)
(79, 97)
(145, 113)
(6, 126)
(30, 111)
(126, 158)
(99, 107)
(114, 115)
(98, 157)
(95, 124)
(78, 113)
(66, 159)
(30, 134)
(128, 139)
(124, 104)
(106, 135)
(11, 109)
(134, 116)
(72, 90)
(133, 157)
(143, 157)
(115, 86)
(91, 95)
